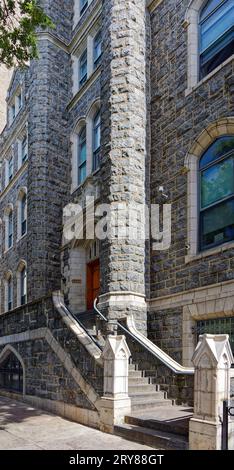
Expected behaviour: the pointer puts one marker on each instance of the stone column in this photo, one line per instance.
(212, 360)
(115, 403)
(123, 98)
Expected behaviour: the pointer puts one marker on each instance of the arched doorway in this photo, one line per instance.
(11, 373)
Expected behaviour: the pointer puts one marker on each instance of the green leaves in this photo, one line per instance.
(19, 21)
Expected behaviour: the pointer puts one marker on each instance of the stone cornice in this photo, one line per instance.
(48, 36)
(69, 48)
(193, 296)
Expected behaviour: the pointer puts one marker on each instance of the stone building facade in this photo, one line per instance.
(114, 112)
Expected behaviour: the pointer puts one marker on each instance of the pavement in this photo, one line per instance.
(23, 427)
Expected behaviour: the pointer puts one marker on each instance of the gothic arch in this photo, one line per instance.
(216, 129)
(5, 353)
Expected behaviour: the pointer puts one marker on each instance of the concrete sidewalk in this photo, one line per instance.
(23, 427)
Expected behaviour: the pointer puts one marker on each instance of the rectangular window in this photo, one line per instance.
(19, 101)
(96, 141)
(23, 215)
(10, 169)
(82, 157)
(83, 68)
(10, 230)
(217, 326)
(12, 113)
(10, 294)
(97, 49)
(23, 286)
(24, 149)
(217, 224)
(83, 6)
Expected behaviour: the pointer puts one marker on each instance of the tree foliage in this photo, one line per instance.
(19, 20)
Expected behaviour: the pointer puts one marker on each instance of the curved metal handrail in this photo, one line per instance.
(147, 344)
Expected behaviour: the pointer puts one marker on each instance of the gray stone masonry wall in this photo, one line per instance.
(61, 13)
(176, 121)
(45, 375)
(123, 137)
(49, 169)
(10, 259)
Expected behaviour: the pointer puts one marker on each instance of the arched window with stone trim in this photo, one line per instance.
(8, 220)
(216, 176)
(210, 164)
(8, 291)
(210, 38)
(22, 283)
(22, 213)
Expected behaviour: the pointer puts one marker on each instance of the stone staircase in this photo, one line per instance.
(155, 420)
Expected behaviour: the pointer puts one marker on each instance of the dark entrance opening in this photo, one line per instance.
(11, 374)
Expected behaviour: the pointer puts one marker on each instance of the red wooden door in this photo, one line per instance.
(93, 282)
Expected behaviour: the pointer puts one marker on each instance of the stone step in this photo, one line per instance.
(144, 404)
(139, 381)
(133, 367)
(141, 388)
(137, 395)
(179, 426)
(156, 439)
(134, 373)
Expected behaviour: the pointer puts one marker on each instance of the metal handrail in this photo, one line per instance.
(115, 322)
(81, 324)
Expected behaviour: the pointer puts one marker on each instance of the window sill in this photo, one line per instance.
(190, 90)
(85, 182)
(8, 249)
(79, 93)
(21, 238)
(213, 251)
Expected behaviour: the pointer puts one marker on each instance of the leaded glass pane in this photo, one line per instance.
(217, 24)
(209, 7)
(219, 148)
(217, 182)
(217, 224)
(82, 173)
